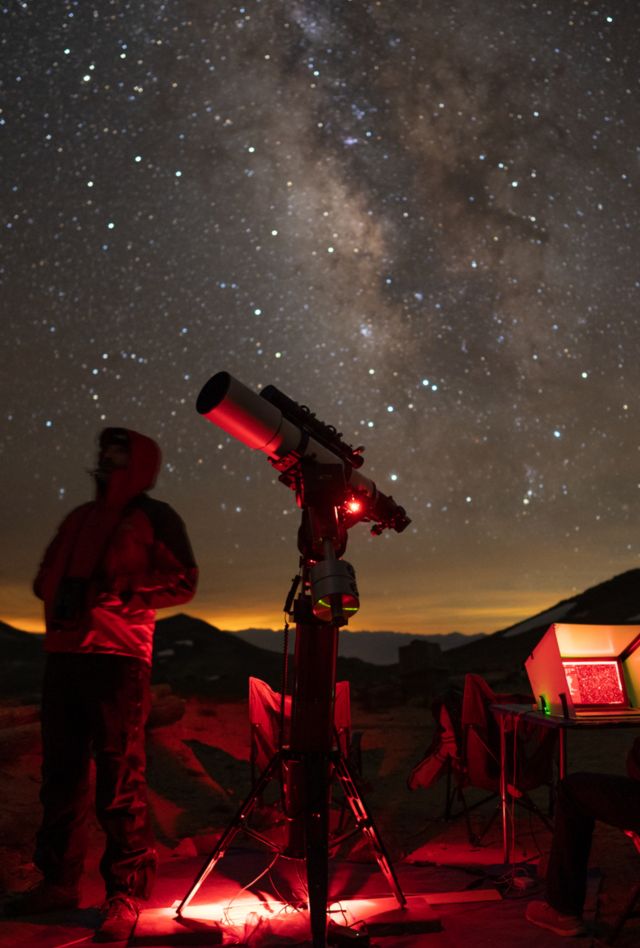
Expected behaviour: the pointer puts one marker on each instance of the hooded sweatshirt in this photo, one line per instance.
(113, 562)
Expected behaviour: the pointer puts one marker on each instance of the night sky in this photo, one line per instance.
(418, 218)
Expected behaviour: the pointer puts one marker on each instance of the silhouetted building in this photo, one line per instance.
(423, 670)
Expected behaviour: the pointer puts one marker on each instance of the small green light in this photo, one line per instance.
(327, 605)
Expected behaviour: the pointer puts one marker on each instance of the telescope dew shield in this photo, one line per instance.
(232, 406)
(227, 403)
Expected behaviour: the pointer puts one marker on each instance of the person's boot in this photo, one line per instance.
(119, 918)
(43, 897)
(545, 916)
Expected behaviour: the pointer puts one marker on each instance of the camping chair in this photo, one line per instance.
(466, 748)
(270, 729)
(443, 757)
(530, 750)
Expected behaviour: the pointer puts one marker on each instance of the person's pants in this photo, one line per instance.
(582, 799)
(95, 704)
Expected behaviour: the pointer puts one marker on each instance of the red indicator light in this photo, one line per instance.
(354, 506)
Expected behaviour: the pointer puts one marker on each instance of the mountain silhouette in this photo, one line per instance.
(195, 657)
(615, 601)
(377, 648)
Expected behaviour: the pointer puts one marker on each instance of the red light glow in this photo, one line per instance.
(354, 505)
(264, 919)
(260, 919)
(246, 912)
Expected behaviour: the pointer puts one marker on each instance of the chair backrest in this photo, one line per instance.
(530, 752)
(265, 714)
(265, 720)
(481, 736)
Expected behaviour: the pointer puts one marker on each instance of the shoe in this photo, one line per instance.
(40, 898)
(545, 916)
(119, 917)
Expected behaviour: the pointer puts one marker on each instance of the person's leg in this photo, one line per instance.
(582, 799)
(62, 838)
(122, 707)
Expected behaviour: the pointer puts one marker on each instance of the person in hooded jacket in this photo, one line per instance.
(112, 563)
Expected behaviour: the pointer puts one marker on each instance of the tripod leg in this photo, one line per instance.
(364, 822)
(231, 831)
(317, 843)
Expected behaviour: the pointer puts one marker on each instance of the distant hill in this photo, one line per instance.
(615, 601)
(195, 657)
(189, 654)
(377, 648)
(22, 663)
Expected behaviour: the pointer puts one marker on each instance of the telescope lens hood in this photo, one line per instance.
(213, 392)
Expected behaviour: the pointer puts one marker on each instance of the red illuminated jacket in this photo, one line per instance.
(127, 554)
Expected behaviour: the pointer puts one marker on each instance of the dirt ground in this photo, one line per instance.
(198, 774)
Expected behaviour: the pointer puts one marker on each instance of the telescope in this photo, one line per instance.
(324, 471)
(294, 439)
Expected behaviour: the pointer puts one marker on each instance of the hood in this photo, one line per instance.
(139, 475)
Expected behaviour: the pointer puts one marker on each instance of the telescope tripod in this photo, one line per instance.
(308, 764)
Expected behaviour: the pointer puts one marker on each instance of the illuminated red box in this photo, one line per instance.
(586, 668)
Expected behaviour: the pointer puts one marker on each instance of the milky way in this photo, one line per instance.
(420, 219)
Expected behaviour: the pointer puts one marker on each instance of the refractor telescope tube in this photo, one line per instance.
(232, 406)
(253, 420)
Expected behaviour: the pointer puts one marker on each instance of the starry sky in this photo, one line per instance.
(419, 219)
